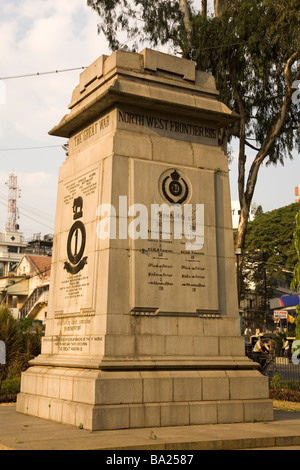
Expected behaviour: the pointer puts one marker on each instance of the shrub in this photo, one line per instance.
(276, 382)
(10, 386)
(284, 391)
(8, 398)
(22, 340)
(12, 337)
(292, 385)
(285, 394)
(9, 390)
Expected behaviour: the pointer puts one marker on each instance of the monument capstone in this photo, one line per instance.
(143, 326)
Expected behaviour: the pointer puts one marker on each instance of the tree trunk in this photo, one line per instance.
(186, 15)
(204, 8)
(246, 193)
(220, 7)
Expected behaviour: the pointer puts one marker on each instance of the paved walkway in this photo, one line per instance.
(22, 432)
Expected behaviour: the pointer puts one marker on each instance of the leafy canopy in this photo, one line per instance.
(157, 22)
(22, 339)
(270, 255)
(296, 278)
(272, 233)
(252, 50)
(246, 49)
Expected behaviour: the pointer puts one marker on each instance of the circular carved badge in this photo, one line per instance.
(76, 240)
(175, 187)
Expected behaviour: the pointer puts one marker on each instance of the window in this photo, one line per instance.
(14, 301)
(12, 249)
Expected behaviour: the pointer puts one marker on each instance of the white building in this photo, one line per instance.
(26, 290)
(12, 247)
(236, 209)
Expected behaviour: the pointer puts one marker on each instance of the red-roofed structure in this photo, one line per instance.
(26, 292)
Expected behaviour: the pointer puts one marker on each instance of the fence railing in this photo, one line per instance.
(271, 364)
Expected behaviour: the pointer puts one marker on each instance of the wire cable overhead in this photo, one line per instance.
(37, 74)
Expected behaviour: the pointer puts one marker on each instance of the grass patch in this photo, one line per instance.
(286, 406)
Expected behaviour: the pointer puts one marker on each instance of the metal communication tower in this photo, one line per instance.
(13, 212)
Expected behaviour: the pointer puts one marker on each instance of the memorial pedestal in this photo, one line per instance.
(143, 324)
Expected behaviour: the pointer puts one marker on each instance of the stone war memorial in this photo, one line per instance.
(143, 327)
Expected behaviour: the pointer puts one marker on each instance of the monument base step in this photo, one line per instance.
(146, 363)
(103, 400)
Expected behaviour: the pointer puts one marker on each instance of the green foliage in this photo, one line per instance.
(12, 337)
(285, 391)
(159, 22)
(296, 279)
(270, 254)
(31, 338)
(252, 50)
(271, 234)
(285, 394)
(10, 386)
(276, 382)
(259, 211)
(292, 385)
(22, 340)
(297, 329)
(246, 50)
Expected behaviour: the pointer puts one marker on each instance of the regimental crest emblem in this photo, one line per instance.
(76, 240)
(175, 187)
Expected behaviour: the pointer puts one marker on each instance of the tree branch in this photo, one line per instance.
(251, 146)
(246, 195)
(186, 15)
(220, 6)
(276, 128)
(242, 156)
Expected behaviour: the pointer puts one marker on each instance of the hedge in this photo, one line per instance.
(285, 394)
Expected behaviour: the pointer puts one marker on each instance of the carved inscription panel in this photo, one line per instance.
(174, 269)
(166, 125)
(77, 241)
(74, 337)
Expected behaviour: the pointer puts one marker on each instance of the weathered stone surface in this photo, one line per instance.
(143, 330)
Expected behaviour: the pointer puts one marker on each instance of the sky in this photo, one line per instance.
(38, 36)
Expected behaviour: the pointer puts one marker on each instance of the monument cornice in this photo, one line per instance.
(120, 84)
(175, 83)
(121, 92)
